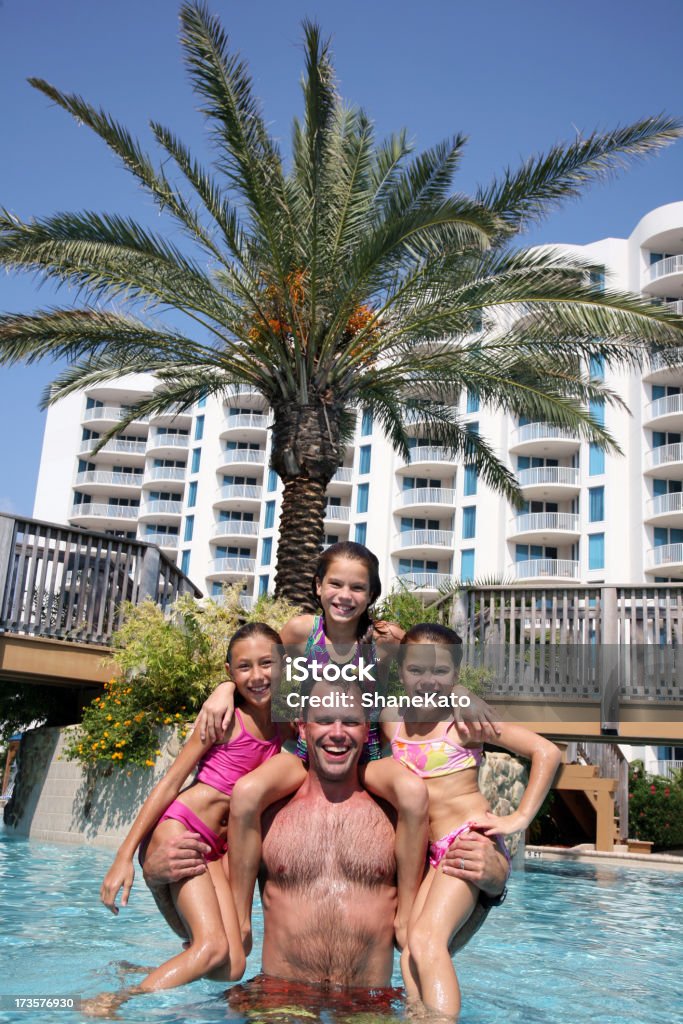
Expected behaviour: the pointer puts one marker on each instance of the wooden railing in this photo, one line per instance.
(65, 583)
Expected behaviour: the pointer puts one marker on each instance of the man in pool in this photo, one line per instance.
(328, 869)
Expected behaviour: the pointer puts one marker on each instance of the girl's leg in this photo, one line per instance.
(411, 980)
(277, 778)
(407, 793)
(447, 907)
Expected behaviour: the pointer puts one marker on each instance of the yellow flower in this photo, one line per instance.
(150, 764)
(157, 752)
(110, 718)
(117, 725)
(177, 716)
(167, 721)
(106, 735)
(127, 722)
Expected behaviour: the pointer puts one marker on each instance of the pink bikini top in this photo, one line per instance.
(430, 758)
(225, 763)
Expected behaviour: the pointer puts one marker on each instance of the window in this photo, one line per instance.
(596, 551)
(469, 522)
(597, 278)
(216, 589)
(467, 565)
(269, 517)
(266, 550)
(596, 460)
(366, 423)
(362, 497)
(597, 410)
(263, 585)
(597, 367)
(189, 528)
(199, 428)
(202, 402)
(365, 456)
(472, 401)
(361, 533)
(192, 494)
(185, 562)
(470, 486)
(196, 459)
(272, 480)
(596, 504)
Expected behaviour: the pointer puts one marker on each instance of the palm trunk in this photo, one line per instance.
(301, 536)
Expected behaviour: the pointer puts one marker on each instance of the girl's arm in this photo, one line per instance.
(121, 873)
(545, 758)
(216, 713)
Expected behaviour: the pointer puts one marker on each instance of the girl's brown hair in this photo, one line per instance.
(432, 633)
(355, 553)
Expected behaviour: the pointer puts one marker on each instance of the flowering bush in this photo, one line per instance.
(166, 666)
(655, 808)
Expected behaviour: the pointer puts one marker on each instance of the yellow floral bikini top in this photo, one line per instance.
(430, 758)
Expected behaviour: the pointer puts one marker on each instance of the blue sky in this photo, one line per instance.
(515, 77)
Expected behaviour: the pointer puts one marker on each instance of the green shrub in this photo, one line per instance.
(655, 809)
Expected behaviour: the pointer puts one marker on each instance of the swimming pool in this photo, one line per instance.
(572, 944)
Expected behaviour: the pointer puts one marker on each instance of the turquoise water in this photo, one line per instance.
(572, 944)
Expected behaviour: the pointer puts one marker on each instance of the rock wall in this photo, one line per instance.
(502, 780)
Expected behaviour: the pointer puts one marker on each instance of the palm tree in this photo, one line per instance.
(355, 277)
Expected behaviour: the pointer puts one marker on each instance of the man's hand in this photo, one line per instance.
(479, 719)
(179, 857)
(476, 859)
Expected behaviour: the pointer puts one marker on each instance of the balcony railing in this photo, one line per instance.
(111, 412)
(426, 496)
(668, 768)
(160, 440)
(100, 476)
(162, 540)
(252, 420)
(667, 406)
(666, 503)
(114, 447)
(550, 521)
(564, 568)
(177, 473)
(254, 456)
(423, 580)
(665, 453)
(537, 476)
(666, 554)
(542, 432)
(233, 565)
(161, 508)
(100, 510)
(673, 358)
(235, 528)
(341, 513)
(430, 453)
(425, 539)
(342, 476)
(250, 492)
(670, 265)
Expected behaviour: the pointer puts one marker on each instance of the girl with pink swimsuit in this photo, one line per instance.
(204, 903)
(441, 753)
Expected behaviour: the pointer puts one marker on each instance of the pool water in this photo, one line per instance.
(572, 944)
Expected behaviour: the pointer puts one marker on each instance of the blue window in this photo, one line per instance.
(596, 504)
(216, 589)
(192, 494)
(366, 424)
(467, 565)
(269, 517)
(472, 401)
(596, 551)
(597, 410)
(202, 402)
(196, 459)
(189, 528)
(362, 497)
(597, 279)
(470, 486)
(185, 562)
(597, 367)
(199, 428)
(596, 460)
(272, 480)
(267, 551)
(365, 456)
(361, 533)
(263, 585)
(469, 522)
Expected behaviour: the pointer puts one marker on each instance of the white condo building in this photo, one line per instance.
(198, 484)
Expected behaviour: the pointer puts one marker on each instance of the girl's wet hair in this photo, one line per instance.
(355, 553)
(432, 633)
(253, 629)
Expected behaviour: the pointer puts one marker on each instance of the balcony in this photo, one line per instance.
(665, 413)
(664, 277)
(426, 499)
(666, 560)
(665, 510)
(169, 541)
(167, 444)
(172, 417)
(428, 457)
(665, 462)
(554, 483)
(340, 483)
(103, 481)
(337, 513)
(162, 511)
(427, 584)
(666, 368)
(232, 566)
(241, 457)
(93, 512)
(425, 542)
(156, 473)
(545, 527)
(107, 416)
(238, 496)
(667, 769)
(543, 439)
(234, 528)
(131, 449)
(244, 427)
(546, 569)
